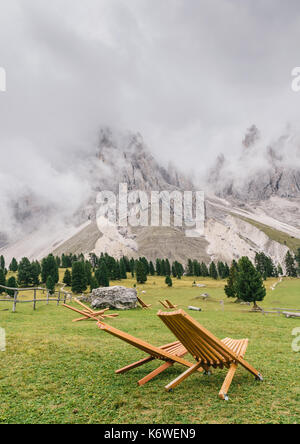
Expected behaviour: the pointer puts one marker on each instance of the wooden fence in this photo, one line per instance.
(62, 296)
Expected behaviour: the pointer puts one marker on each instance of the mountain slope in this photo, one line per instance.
(244, 212)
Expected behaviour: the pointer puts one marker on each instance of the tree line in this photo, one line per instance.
(95, 272)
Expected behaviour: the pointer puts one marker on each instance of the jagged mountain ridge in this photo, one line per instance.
(261, 171)
(124, 158)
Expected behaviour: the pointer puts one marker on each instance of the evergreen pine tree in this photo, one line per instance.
(190, 268)
(168, 267)
(123, 273)
(163, 268)
(229, 288)
(13, 265)
(101, 274)
(179, 270)
(141, 276)
(24, 273)
(132, 267)
(169, 281)
(12, 283)
(213, 271)
(2, 262)
(2, 280)
(93, 284)
(297, 259)
(67, 278)
(35, 273)
(79, 283)
(50, 284)
(174, 271)
(204, 270)
(291, 270)
(151, 268)
(50, 268)
(88, 272)
(249, 283)
(158, 267)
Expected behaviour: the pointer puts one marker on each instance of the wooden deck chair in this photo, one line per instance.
(170, 305)
(142, 303)
(208, 350)
(169, 353)
(90, 314)
(164, 304)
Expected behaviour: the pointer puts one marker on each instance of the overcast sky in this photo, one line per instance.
(189, 75)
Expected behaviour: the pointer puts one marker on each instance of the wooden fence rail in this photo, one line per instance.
(62, 296)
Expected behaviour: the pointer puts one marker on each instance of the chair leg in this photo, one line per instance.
(227, 382)
(134, 365)
(183, 376)
(155, 372)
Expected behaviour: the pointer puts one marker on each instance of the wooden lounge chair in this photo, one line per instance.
(142, 303)
(164, 304)
(88, 313)
(169, 353)
(208, 350)
(170, 305)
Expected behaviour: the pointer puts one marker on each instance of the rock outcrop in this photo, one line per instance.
(120, 298)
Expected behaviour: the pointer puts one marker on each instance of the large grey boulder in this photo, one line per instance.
(120, 298)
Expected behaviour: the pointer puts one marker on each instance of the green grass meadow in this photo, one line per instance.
(56, 371)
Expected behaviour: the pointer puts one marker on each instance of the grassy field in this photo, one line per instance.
(55, 371)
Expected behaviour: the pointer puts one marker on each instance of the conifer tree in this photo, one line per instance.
(158, 267)
(169, 281)
(88, 272)
(163, 268)
(50, 268)
(141, 276)
(67, 278)
(204, 270)
(2, 262)
(24, 273)
(50, 284)
(213, 271)
(174, 271)
(229, 288)
(93, 284)
(168, 267)
(79, 283)
(13, 265)
(12, 283)
(101, 274)
(35, 270)
(151, 268)
(2, 280)
(190, 268)
(249, 282)
(123, 273)
(291, 270)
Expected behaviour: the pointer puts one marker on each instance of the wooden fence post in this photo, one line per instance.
(15, 301)
(34, 300)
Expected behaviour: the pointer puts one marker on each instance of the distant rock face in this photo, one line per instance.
(120, 298)
(260, 171)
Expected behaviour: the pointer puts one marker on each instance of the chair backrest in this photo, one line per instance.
(200, 343)
(170, 304)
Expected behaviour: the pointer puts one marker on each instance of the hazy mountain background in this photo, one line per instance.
(164, 95)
